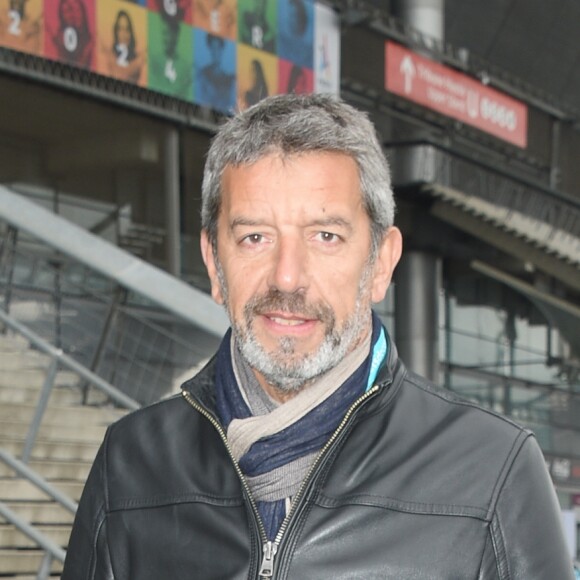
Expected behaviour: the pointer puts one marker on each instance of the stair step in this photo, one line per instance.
(24, 561)
(23, 359)
(65, 450)
(28, 576)
(12, 537)
(17, 489)
(73, 415)
(41, 512)
(10, 342)
(54, 470)
(47, 431)
(34, 378)
(68, 439)
(60, 395)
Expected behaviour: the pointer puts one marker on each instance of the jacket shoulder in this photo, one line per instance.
(433, 449)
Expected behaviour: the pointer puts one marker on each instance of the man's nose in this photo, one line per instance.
(290, 268)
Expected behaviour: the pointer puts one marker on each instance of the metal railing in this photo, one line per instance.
(131, 344)
(52, 551)
(110, 319)
(58, 358)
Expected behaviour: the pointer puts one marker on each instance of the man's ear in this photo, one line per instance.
(387, 258)
(207, 253)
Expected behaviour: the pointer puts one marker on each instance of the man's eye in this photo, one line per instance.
(327, 237)
(253, 239)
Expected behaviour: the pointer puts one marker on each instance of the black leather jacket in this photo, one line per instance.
(415, 484)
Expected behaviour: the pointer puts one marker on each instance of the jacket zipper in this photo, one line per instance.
(270, 548)
(242, 477)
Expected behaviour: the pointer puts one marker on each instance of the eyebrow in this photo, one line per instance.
(243, 221)
(322, 222)
(331, 221)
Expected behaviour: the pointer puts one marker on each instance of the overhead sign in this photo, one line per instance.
(454, 94)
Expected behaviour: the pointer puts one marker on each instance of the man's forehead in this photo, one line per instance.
(275, 174)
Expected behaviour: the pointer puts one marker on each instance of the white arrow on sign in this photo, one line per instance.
(407, 69)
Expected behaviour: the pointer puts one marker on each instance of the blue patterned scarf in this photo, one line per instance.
(303, 438)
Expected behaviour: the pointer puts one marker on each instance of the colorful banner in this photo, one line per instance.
(223, 54)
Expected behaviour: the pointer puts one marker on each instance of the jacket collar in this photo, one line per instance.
(201, 386)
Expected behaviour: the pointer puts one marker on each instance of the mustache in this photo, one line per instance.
(292, 302)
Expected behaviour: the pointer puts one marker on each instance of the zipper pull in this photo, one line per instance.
(267, 567)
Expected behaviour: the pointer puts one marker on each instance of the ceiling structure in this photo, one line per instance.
(534, 40)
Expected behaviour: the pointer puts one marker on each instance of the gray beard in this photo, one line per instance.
(283, 368)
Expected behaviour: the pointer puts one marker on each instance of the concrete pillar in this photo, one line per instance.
(426, 16)
(420, 163)
(172, 203)
(418, 275)
(417, 288)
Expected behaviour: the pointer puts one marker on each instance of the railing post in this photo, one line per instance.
(45, 566)
(119, 297)
(7, 251)
(40, 409)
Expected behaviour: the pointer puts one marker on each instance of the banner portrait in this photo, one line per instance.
(296, 31)
(219, 17)
(257, 75)
(293, 78)
(170, 56)
(22, 25)
(257, 23)
(215, 71)
(122, 41)
(172, 9)
(69, 32)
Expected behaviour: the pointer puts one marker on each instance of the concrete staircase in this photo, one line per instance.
(66, 444)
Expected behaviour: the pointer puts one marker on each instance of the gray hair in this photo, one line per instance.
(294, 124)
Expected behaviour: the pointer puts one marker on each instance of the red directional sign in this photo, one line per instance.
(454, 94)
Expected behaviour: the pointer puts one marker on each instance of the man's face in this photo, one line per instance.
(293, 265)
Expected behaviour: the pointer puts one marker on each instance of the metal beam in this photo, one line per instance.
(187, 302)
(508, 243)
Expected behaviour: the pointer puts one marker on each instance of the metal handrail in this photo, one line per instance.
(39, 538)
(57, 354)
(172, 294)
(59, 357)
(29, 474)
(51, 549)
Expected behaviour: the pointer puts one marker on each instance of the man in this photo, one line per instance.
(305, 449)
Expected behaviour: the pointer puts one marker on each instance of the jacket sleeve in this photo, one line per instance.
(87, 555)
(526, 534)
